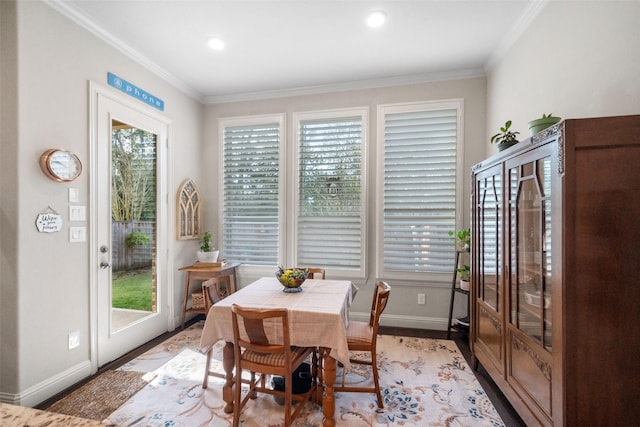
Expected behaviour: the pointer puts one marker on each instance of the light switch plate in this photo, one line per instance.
(77, 234)
(74, 195)
(77, 213)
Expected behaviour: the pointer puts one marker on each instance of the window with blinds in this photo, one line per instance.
(330, 179)
(251, 192)
(419, 187)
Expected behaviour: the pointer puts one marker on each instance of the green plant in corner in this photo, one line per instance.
(505, 137)
(205, 242)
(463, 238)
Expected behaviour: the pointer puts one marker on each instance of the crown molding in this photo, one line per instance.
(346, 86)
(515, 32)
(80, 18)
(85, 22)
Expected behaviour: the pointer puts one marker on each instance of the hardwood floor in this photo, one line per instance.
(506, 411)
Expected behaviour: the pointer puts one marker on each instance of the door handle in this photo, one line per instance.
(104, 265)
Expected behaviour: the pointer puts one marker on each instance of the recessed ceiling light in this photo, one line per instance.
(376, 19)
(215, 43)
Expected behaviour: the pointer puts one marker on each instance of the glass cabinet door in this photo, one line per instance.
(488, 235)
(530, 247)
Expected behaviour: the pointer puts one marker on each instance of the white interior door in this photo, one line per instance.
(129, 228)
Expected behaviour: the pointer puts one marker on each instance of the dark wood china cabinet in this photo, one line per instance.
(555, 269)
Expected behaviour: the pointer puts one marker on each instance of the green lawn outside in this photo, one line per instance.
(132, 289)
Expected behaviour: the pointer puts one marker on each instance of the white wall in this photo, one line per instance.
(45, 288)
(577, 59)
(403, 309)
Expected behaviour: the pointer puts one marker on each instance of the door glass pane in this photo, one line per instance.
(489, 238)
(133, 232)
(530, 227)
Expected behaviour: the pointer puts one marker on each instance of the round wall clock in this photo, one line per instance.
(60, 165)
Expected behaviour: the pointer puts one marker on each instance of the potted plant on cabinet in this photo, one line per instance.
(505, 138)
(207, 252)
(542, 123)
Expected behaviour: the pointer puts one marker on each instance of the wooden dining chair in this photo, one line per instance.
(316, 273)
(213, 290)
(362, 337)
(255, 353)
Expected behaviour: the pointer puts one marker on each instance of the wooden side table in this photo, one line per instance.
(196, 272)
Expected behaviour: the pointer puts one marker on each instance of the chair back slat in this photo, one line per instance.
(255, 324)
(255, 331)
(383, 290)
(379, 302)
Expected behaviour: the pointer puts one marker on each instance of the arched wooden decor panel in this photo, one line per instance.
(188, 215)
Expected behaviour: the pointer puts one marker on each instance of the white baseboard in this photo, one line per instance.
(45, 389)
(430, 323)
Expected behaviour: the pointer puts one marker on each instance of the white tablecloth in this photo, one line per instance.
(318, 316)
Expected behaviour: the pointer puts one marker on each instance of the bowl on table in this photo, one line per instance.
(292, 278)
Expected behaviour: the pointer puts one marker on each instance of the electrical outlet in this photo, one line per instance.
(74, 339)
(421, 299)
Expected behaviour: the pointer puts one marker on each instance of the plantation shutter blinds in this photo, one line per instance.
(329, 222)
(251, 196)
(419, 190)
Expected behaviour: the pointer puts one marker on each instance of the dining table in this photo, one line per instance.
(318, 317)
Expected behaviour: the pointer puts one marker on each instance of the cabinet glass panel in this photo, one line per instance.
(530, 243)
(489, 234)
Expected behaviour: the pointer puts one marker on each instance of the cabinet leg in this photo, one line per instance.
(474, 362)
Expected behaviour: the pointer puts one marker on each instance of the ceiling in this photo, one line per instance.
(303, 46)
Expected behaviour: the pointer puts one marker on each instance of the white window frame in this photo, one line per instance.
(252, 121)
(382, 111)
(294, 192)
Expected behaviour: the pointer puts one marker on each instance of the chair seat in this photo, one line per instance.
(275, 359)
(359, 333)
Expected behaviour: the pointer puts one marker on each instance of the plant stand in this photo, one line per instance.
(456, 290)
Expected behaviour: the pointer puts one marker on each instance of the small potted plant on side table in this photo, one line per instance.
(207, 252)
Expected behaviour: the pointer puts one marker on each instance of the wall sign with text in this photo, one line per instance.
(49, 221)
(134, 91)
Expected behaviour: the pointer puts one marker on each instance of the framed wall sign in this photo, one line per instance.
(49, 221)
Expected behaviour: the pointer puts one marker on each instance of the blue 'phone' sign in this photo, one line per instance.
(135, 91)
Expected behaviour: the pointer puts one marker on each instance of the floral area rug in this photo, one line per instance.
(425, 382)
